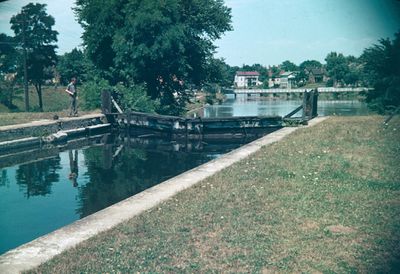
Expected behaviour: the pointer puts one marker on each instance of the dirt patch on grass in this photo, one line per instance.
(270, 270)
(340, 229)
(309, 225)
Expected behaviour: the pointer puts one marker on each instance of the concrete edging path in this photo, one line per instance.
(47, 126)
(44, 248)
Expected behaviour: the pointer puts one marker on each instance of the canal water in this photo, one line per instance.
(254, 106)
(66, 184)
(45, 189)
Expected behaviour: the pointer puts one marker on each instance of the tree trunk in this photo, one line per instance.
(39, 93)
(10, 97)
(12, 93)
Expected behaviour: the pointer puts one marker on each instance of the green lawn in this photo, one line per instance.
(326, 199)
(53, 99)
(55, 102)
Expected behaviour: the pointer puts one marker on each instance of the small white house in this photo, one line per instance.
(274, 82)
(287, 79)
(246, 79)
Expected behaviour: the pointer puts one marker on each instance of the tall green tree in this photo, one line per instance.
(310, 64)
(305, 68)
(354, 73)
(8, 54)
(164, 44)
(72, 64)
(8, 67)
(289, 66)
(336, 67)
(218, 73)
(33, 30)
(382, 71)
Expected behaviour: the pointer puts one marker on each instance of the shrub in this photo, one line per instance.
(134, 97)
(91, 93)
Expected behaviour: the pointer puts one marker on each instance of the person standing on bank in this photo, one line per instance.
(71, 90)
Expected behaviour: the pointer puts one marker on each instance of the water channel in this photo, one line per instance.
(44, 189)
(256, 106)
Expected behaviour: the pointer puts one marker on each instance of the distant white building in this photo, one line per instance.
(246, 79)
(287, 79)
(274, 82)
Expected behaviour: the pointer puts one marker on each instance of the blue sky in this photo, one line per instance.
(267, 31)
(70, 31)
(270, 31)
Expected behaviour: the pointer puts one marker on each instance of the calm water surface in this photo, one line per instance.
(43, 195)
(244, 106)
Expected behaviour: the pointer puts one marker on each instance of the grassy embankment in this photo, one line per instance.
(55, 102)
(325, 199)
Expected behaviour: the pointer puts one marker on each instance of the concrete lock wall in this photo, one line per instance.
(47, 127)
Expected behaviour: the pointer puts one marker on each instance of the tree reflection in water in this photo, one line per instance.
(115, 176)
(4, 181)
(73, 166)
(36, 178)
(39, 197)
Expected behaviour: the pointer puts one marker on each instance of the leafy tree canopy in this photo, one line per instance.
(72, 64)
(218, 72)
(336, 66)
(382, 69)
(310, 64)
(164, 44)
(33, 31)
(289, 66)
(8, 66)
(8, 54)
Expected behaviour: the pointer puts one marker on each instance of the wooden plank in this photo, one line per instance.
(105, 102)
(314, 104)
(290, 114)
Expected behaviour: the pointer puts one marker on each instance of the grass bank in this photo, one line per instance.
(55, 102)
(325, 199)
(54, 99)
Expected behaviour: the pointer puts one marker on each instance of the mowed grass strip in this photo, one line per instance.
(325, 199)
(55, 102)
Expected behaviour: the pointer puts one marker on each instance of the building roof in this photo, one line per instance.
(247, 73)
(286, 73)
(289, 74)
(317, 71)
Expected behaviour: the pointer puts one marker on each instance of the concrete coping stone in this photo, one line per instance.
(29, 141)
(99, 126)
(43, 122)
(44, 248)
(82, 129)
(74, 131)
(22, 140)
(46, 122)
